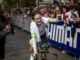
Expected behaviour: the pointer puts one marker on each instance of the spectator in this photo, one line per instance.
(64, 11)
(78, 7)
(52, 15)
(4, 27)
(73, 28)
(58, 11)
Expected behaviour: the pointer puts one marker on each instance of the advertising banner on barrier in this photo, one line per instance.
(65, 37)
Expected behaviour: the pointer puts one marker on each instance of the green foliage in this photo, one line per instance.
(26, 3)
(21, 3)
(9, 3)
(0, 6)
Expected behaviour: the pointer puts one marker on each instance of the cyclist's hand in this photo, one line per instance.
(29, 49)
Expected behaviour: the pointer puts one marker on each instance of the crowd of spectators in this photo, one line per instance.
(67, 11)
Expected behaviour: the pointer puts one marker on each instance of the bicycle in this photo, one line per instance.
(43, 51)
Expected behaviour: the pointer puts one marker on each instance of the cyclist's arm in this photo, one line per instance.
(47, 20)
(33, 38)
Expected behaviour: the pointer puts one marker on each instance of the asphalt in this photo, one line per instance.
(17, 46)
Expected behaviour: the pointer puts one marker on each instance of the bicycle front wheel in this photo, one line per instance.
(43, 56)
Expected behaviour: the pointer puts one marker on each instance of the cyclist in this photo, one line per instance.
(38, 33)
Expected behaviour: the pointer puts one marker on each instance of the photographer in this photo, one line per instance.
(4, 31)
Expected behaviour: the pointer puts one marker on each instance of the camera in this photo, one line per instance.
(59, 17)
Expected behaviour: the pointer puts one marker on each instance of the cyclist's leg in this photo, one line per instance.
(44, 38)
(34, 52)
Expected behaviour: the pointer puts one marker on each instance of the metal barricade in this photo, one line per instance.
(22, 22)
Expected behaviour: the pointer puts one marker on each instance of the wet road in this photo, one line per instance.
(17, 45)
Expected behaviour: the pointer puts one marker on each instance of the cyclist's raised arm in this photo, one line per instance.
(47, 20)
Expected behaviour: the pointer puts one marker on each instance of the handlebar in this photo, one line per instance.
(43, 48)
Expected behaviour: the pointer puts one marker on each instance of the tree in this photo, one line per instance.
(20, 3)
(9, 3)
(26, 3)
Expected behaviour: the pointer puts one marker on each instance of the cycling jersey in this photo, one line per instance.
(37, 31)
(42, 29)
